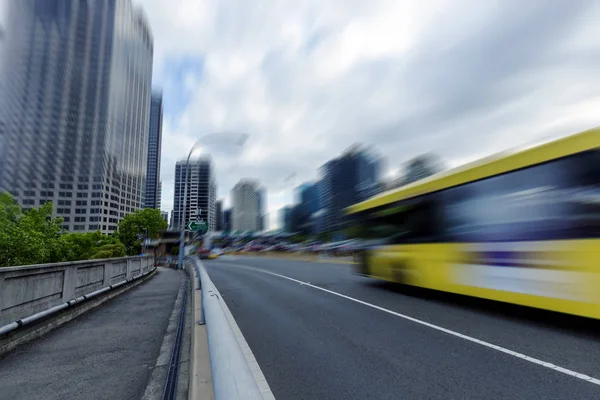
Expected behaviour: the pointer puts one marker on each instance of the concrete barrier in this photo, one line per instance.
(31, 289)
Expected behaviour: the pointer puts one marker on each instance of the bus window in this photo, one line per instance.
(543, 202)
(412, 221)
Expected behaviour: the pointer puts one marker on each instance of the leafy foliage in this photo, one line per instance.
(35, 237)
(147, 222)
(27, 238)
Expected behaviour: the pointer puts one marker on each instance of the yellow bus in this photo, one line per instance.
(520, 227)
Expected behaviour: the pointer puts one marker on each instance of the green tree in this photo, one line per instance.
(10, 213)
(83, 246)
(109, 251)
(147, 221)
(27, 238)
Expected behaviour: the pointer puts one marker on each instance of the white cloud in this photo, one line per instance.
(306, 79)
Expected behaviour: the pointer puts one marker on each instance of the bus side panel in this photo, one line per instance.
(562, 276)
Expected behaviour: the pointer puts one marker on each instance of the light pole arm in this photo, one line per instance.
(195, 147)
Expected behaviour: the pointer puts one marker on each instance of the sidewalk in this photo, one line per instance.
(107, 353)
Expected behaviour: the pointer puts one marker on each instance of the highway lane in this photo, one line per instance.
(312, 344)
(107, 353)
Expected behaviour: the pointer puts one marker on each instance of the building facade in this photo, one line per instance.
(219, 215)
(165, 216)
(308, 204)
(200, 203)
(227, 220)
(75, 86)
(343, 182)
(245, 198)
(285, 216)
(262, 208)
(153, 184)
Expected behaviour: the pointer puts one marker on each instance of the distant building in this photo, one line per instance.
(422, 167)
(285, 216)
(165, 215)
(201, 193)
(245, 199)
(153, 189)
(345, 181)
(227, 220)
(308, 203)
(75, 87)
(219, 215)
(418, 168)
(262, 205)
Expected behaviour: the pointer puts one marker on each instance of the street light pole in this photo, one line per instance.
(240, 142)
(182, 217)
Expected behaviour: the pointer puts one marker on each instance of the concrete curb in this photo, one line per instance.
(200, 382)
(25, 334)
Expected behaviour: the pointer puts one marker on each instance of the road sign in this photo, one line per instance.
(197, 226)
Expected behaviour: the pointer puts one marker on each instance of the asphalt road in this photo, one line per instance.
(107, 353)
(314, 344)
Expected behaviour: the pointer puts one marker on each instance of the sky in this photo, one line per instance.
(306, 79)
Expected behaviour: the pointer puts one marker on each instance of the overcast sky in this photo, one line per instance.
(308, 78)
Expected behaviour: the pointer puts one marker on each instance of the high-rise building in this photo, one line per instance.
(344, 181)
(219, 215)
(246, 205)
(285, 215)
(262, 206)
(153, 184)
(308, 204)
(165, 215)
(200, 203)
(227, 220)
(75, 89)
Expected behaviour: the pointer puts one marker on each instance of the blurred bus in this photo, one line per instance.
(521, 227)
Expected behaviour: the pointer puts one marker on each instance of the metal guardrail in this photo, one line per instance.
(231, 374)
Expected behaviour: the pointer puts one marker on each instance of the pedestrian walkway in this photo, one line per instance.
(106, 353)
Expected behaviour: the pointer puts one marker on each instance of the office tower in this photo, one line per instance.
(262, 207)
(74, 101)
(153, 187)
(200, 203)
(285, 215)
(346, 180)
(227, 220)
(308, 204)
(245, 201)
(219, 215)
(165, 215)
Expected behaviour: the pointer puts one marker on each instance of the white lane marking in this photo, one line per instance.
(533, 360)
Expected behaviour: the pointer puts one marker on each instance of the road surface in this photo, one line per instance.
(328, 334)
(107, 353)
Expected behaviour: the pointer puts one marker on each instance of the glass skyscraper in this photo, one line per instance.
(246, 205)
(201, 193)
(75, 89)
(153, 192)
(344, 181)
